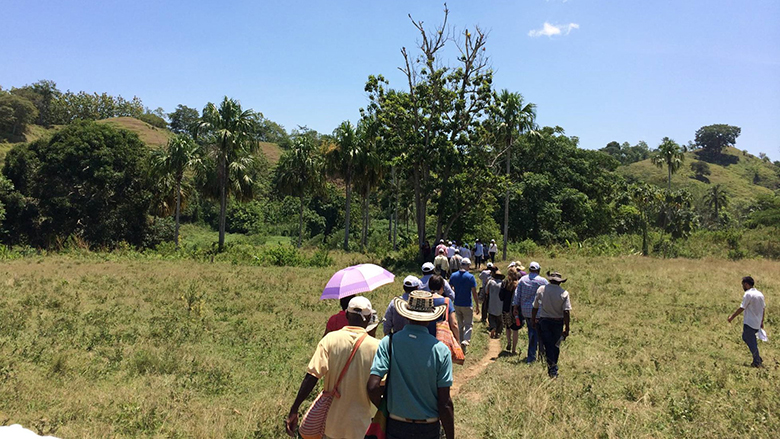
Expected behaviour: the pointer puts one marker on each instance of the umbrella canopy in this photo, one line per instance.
(356, 279)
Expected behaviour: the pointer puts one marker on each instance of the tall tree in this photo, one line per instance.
(341, 158)
(229, 132)
(181, 154)
(713, 138)
(16, 112)
(299, 174)
(183, 119)
(514, 117)
(646, 200)
(669, 154)
(370, 168)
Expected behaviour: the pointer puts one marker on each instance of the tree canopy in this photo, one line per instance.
(713, 138)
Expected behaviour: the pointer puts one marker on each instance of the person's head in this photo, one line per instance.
(489, 266)
(359, 312)
(457, 251)
(436, 283)
(493, 268)
(441, 241)
(465, 263)
(748, 283)
(498, 275)
(411, 283)
(441, 251)
(555, 278)
(534, 267)
(344, 302)
(419, 309)
(427, 268)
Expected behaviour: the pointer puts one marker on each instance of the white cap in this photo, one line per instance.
(534, 266)
(428, 267)
(412, 282)
(511, 264)
(360, 305)
(489, 265)
(465, 261)
(457, 251)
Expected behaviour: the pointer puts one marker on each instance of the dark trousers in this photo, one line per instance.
(749, 337)
(485, 304)
(406, 430)
(492, 257)
(550, 332)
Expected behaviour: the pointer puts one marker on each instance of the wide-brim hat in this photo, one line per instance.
(555, 277)
(419, 307)
(498, 274)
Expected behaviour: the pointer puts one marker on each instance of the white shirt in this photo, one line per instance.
(493, 248)
(451, 251)
(753, 304)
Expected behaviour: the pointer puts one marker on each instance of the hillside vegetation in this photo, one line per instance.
(743, 175)
(150, 135)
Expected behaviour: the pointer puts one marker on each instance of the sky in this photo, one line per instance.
(603, 70)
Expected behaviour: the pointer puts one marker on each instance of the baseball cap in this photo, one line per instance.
(489, 265)
(360, 305)
(465, 261)
(412, 282)
(427, 267)
(534, 266)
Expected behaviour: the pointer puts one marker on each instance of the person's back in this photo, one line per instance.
(442, 263)
(753, 303)
(462, 282)
(455, 262)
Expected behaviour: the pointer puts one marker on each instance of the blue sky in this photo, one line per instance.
(602, 70)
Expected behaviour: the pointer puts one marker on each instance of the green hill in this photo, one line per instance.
(742, 175)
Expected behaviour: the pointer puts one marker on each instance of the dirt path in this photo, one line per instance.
(474, 369)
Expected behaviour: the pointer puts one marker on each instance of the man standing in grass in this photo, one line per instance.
(350, 414)
(419, 374)
(753, 306)
(550, 317)
(523, 305)
(465, 287)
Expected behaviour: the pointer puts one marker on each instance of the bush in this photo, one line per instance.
(160, 230)
(283, 256)
(320, 258)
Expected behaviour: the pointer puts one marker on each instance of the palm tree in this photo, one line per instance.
(669, 154)
(181, 153)
(229, 131)
(369, 168)
(341, 158)
(514, 117)
(299, 173)
(646, 200)
(716, 198)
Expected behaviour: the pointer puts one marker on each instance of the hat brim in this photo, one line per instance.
(560, 280)
(402, 307)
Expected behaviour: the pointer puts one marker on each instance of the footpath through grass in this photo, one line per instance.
(185, 349)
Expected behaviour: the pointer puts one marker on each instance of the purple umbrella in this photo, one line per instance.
(356, 279)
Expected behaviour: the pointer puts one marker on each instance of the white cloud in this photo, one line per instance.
(551, 29)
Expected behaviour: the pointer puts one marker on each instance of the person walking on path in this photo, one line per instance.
(483, 296)
(753, 307)
(395, 322)
(479, 253)
(496, 306)
(419, 374)
(351, 412)
(428, 270)
(442, 264)
(441, 246)
(523, 305)
(451, 249)
(492, 250)
(550, 317)
(465, 287)
(338, 320)
(512, 324)
(455, 261)
(465, 252)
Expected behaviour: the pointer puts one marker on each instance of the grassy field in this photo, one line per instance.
(181, 349)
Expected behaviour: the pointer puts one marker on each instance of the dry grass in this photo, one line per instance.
(271, 151)
(145, 348)
(150, 135)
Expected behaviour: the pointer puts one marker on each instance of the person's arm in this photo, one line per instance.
(736, 313)
(762, 318)
(565, 323)
(375, 389)
(446, 412)
(453, 321)
(476, 301)
(307, 385)
(533, 317)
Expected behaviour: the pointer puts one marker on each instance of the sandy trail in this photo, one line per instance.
(474, 369)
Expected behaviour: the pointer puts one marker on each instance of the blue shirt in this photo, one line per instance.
(525, 293)
(396, 322)
(462, 282)
(447, 288)
(420, 365)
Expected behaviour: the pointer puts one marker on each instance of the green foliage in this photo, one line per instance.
(669, 154)
(283, 256)
(701, 170)
(70, 106)
(42, 94)
(154, 120)
(16, 112)
(87, 180)
(627, 154)
(713, 138)
(183, 119)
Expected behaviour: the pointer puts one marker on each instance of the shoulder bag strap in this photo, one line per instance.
(447, 310)
(346, 366)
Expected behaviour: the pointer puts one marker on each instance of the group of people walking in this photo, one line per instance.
(409, 372)
(447, 254)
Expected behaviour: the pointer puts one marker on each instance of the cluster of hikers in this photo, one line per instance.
(409, 372)
(447, 255)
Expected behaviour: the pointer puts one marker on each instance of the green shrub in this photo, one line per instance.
(283, 256)
(320, 258)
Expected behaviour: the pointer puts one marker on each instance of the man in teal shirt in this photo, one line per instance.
(419, 374)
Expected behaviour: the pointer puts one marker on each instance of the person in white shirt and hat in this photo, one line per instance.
(492, 250)
(753, 306)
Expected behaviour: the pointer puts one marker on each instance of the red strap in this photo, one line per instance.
(346, 366)
(447, 311)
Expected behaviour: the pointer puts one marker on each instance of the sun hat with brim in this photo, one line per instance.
(555, 277)
(419, 307)
(498, 274)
